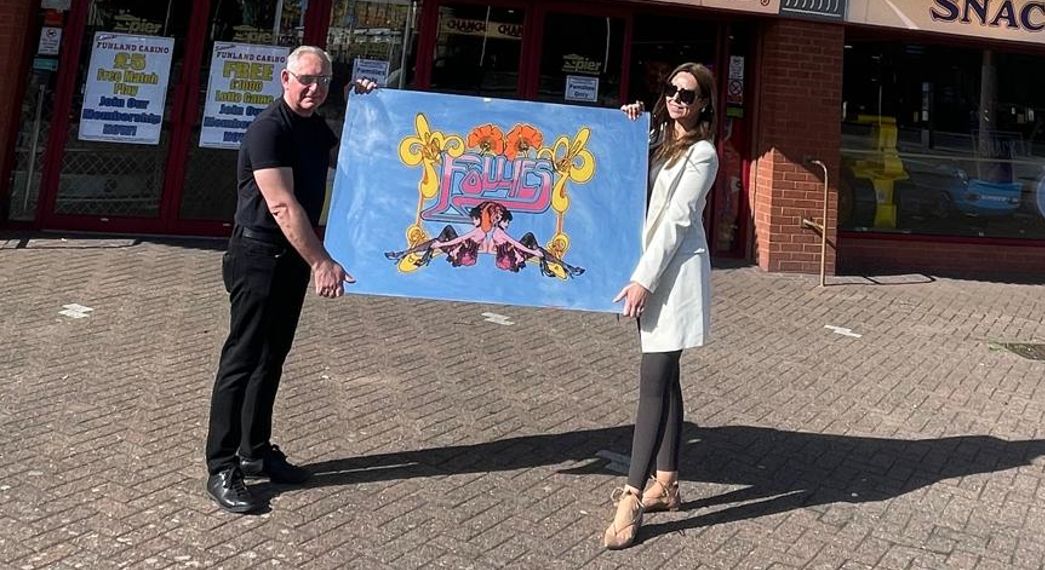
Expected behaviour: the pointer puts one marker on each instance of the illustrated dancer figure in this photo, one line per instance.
(512, 254)
(460, 250)
(490, 220)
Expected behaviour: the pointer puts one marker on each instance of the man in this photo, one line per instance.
(283, 163)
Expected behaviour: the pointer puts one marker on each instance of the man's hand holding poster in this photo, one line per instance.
(468, 199)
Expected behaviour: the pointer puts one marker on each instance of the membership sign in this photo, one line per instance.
(244, 79)
(126, 88)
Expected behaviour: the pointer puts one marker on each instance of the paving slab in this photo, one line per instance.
(874, 423)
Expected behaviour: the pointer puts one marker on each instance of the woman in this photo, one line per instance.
(670, 290)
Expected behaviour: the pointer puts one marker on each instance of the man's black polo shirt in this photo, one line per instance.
(279, 137)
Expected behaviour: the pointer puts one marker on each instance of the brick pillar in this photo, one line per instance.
(799, 117)
(15, 21)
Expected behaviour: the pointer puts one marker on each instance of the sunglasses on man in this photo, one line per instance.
(685, 96)
(322, 80)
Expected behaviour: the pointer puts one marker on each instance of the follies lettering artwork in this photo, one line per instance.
(472, 187)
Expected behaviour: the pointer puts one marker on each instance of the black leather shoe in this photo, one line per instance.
(228, 490)
(274, 465)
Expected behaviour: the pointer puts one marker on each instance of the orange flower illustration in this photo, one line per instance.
(521, 139)
(487, 138)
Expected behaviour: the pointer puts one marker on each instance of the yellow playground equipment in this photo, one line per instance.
(883, 168)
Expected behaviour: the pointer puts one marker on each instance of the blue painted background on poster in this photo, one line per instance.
(463, 198)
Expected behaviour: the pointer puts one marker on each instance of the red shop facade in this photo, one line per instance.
(784, 101)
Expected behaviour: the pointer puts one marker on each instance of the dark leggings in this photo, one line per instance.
(658, 424)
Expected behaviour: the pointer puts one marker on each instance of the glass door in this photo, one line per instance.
(478, 50)
(114, 158)
(376, 39)
(660, 43)
(34, 119)
(208, 190)
(581, 59)
(729, 202)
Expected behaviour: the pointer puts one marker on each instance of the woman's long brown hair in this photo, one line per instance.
(672, 148)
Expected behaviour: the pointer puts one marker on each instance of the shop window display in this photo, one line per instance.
(942, 140)
(478, 51)
(581, 60)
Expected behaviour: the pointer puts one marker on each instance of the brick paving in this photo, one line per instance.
(439, 439)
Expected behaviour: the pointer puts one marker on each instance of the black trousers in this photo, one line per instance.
(266, 282)
(658, 422)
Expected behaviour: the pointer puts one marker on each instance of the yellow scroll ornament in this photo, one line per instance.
(426, 148)
(575, 163)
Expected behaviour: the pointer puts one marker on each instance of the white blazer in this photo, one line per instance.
(675, 264)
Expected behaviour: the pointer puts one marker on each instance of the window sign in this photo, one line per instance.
(244, 80)
(735, 85)
(576, 63)
(484, 28)
(126, 88)
(581, 88)
(45, 63)
(50, 41)
(375, 70)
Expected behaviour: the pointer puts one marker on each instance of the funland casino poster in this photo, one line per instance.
(471, 199)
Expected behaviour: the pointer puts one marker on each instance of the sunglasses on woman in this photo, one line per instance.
(686, 96)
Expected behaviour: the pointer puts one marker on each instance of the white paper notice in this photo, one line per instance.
(50, 41)
(375, 70)
(582, 88)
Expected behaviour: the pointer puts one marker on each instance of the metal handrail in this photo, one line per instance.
(821, 227)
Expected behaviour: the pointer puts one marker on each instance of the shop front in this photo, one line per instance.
(168, 168)
(943, 137)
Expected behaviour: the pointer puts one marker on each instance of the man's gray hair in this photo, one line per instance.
(292, 59)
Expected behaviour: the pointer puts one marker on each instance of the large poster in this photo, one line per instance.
(463, 198)
(244, 79)
(126, 88)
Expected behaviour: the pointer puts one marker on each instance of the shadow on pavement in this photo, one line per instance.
(879, 280)
(888, 276)
(780, 470)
